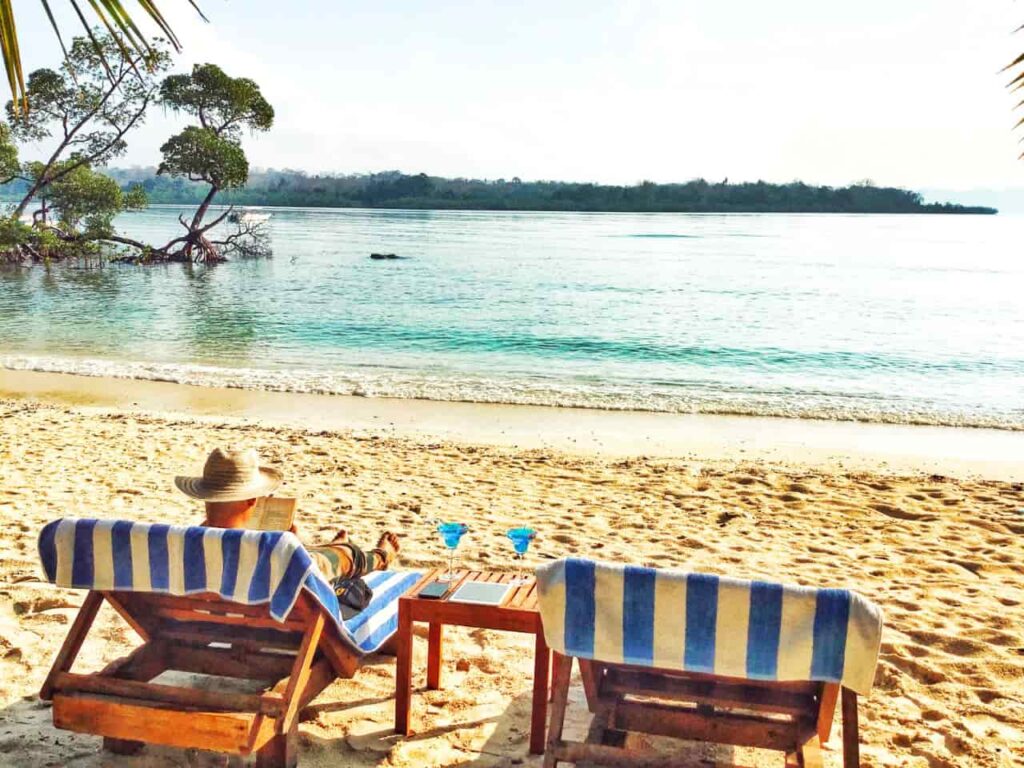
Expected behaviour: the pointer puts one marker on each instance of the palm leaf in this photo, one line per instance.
(119, 22)
(11, 54)
(1017, 83)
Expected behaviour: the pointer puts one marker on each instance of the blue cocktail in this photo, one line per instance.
(521, 538)
(451, 534)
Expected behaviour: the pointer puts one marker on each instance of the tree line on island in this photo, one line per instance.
(64, 205)
(393, 189)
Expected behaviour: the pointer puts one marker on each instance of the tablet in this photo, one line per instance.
(480, 593)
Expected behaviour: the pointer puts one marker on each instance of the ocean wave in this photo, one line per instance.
(457, 387)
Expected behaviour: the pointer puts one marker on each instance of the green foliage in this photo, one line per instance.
(9, 165)
(85, 107)
(14, 233)
(396, 190)
(17, 237)
(221, 103)
(135, 198)
(112, 13)
(199, 154)
(86, 202)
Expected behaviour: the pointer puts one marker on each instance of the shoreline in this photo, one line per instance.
(838, 445)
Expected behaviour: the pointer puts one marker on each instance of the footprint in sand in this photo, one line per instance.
(724, 518)
(900, 514)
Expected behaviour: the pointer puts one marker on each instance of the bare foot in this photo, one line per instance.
(388, 544)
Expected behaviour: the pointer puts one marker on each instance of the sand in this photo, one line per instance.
(943, 555)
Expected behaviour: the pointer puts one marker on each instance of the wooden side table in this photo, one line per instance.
(518, 612)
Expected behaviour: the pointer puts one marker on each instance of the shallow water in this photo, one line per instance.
(889, 318)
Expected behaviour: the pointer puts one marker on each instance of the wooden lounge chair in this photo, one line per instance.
(703, 658)
(229, 603)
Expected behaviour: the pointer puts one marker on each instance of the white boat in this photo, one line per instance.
(248, 216)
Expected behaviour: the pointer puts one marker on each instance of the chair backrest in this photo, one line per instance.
(708, 624)
(261, 573)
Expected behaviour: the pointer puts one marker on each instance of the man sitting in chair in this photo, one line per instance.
(232, 484)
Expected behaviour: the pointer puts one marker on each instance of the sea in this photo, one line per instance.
(886, 318)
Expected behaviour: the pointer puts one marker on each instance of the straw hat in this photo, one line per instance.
(231, 476)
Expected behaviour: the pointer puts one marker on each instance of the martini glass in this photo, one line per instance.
(521, 538)
(451, 534)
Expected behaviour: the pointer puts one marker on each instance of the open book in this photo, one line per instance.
(273, 514)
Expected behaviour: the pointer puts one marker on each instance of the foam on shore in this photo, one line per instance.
(952, 451)
(605, 395)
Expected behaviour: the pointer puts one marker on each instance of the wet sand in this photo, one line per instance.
(960, 452)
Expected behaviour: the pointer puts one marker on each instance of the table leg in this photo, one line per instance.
(435, 643)
(403, 670)
(556, 660)
(541, 671)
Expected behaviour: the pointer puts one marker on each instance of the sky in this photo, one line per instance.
(901, 92)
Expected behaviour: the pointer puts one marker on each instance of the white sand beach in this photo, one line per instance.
(932, 534)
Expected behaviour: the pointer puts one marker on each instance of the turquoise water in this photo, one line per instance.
(886, 318)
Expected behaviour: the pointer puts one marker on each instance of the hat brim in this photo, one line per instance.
(267, 482)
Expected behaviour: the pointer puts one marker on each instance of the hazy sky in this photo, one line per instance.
(902, 92)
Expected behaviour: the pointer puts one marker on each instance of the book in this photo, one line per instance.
(273, 514)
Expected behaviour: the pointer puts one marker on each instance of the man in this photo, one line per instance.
(231, 485)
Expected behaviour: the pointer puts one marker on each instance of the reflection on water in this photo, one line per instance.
(878, 317)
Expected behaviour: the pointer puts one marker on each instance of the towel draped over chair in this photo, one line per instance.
(697, 622)
(248, 567)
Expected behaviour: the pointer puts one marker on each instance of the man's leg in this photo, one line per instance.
(342, 559)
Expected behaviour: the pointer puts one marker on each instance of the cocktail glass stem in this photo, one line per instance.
(451, 561)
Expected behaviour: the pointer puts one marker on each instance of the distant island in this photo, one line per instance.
(393, 189)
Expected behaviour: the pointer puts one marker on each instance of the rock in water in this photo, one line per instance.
(386, 256)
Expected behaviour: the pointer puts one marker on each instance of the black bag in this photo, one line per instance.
(353, 596)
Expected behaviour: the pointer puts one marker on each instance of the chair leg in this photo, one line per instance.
(851, 730)
(809, 754)
(282, 751)
(590, 673)
(122, 746)
(560, 687)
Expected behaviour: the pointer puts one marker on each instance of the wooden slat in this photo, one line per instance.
(154, 723)
(73, 642)
(220, 701)
(229, 662)
(581, 753)
(203, 634)
(186, 615)
(525, 597)
(144, 663)
(722, 728)
(666, 685)
(472, 615)
(202, 602)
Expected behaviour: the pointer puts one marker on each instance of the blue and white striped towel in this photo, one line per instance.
(250, 567)
(702, 623)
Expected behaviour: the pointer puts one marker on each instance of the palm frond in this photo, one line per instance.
(11, 54)
(112, 14)
(1017, 83)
